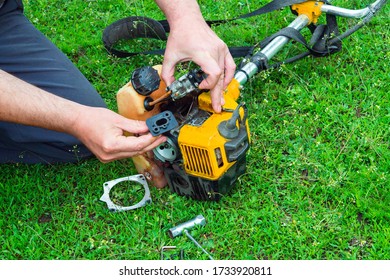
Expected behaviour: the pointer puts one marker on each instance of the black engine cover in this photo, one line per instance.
(203, 189)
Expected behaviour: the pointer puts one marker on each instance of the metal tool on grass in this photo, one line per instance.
(184, 227)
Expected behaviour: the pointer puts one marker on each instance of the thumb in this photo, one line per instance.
(167, 72)
(133, 126)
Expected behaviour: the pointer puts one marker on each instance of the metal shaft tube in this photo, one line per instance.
(250, 69)
(277, 44)
(337, 11)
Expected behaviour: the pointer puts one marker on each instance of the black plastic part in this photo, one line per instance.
(228, 129)
(161, 123)
(147, 102)
(245, 73)
(238, 146)
(261, 61)
(145, 80)
(196, 77)
(203, 189)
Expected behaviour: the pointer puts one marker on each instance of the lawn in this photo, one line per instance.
(317, 180)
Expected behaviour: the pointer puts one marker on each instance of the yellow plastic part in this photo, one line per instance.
(204, 155)
(312, 9)
(233, 90)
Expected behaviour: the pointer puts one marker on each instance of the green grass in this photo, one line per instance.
(317, 182)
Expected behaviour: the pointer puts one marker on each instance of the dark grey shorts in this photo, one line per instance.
(27, 54)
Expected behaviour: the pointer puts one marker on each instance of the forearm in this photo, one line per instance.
(100, 129)
(200, 45)
(24, 103)
(180, 10)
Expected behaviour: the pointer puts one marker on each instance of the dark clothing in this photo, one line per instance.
(29, 55)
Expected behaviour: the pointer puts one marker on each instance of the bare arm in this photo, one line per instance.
(101, 130)
(191, 38)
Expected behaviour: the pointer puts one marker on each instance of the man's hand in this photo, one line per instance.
(191, 39)
(103, 132)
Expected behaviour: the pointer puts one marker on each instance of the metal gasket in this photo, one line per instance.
(107, 186)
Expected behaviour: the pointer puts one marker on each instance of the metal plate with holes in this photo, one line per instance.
(107, 186)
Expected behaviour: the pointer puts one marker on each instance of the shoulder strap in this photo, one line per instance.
(142, 27)
(132, 28)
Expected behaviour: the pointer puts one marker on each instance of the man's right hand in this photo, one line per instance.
(103, 132)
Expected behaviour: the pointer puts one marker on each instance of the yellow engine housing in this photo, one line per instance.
(202, 147)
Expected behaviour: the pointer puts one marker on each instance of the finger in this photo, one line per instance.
(216, 93)
(168, 71)
(214, 80)
(133, 126)
(143, 143)
(127, 147)
(226, 63)
(230, 69)
(213, 71)
(217, 96)
(159, 140)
